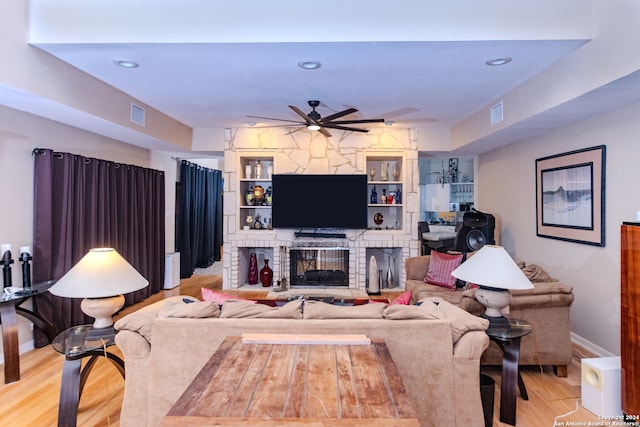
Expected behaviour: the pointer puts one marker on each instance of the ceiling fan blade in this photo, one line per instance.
(332, 126)
(353, 122)
(265, 126)
(279, 120)
(302, 114)
(325, 132)
(338, 115)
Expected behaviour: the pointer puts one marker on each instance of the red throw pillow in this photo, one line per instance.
(404, 298)
(440, 267)
(218, 297)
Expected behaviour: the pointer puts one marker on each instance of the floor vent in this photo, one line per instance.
(137, 114)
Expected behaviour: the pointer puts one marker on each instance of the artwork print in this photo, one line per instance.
(567, 198)
(570, 196)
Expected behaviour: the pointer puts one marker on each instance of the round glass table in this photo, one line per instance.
(76, 343)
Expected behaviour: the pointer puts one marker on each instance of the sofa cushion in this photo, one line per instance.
(535, 273)
(322, 310)
(246, 309)
(405, 312)
(140, 321)
(219, 297)
(195, 310)
(440, 268)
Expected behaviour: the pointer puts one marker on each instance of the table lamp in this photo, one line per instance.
(495, 273)
(101, 277)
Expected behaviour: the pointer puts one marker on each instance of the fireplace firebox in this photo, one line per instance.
(319, 266)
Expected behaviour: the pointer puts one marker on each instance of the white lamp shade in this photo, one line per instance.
(492, 267)
(101, 273)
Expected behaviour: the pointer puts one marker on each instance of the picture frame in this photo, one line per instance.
(570, 196)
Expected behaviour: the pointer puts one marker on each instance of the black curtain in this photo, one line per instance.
(199, 217)
(82, 203)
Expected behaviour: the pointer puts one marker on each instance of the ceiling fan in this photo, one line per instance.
(313, 120)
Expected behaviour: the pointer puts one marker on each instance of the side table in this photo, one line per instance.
(76, 343)
(508, 336)
(9, 308)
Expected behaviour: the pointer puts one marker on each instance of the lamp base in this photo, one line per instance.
(102, 309)
(493, 299)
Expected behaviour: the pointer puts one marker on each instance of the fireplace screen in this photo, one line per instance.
(319, 267)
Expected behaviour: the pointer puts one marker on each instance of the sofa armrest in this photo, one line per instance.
(461, 321)
(132, 344)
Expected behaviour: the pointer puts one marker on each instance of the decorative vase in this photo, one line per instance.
(389, 280)
(384, 171)
(266, 274)
(253, 269)
(258, 170)
(374, 281)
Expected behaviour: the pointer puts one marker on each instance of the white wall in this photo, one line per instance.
(506, 188)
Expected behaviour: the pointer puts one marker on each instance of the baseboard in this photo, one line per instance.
(595, 349)
(25, 347)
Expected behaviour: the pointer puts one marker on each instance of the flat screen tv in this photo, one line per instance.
(319, 201)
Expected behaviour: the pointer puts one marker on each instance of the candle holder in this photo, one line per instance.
(25, 258)
(6, 265)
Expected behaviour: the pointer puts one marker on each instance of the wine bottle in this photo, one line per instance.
(374, 196)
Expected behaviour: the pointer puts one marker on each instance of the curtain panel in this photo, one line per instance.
(199, 218)
(82, 203)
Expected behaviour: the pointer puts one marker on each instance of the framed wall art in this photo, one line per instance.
(570, 196)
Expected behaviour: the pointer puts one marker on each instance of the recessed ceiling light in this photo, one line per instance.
(388, 123)
(126, 64)
(309, 64)
(498, 61)
(252, 124)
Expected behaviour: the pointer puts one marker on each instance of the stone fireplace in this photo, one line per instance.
(339, 262)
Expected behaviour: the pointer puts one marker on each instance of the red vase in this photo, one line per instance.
(253, 269)
(266, 274)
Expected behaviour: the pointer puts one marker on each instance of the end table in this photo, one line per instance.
(76, 343)
(508, 336)
(9, 308)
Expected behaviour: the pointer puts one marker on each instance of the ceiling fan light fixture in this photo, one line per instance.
(498, 61)
(313, 127)
(307, 64)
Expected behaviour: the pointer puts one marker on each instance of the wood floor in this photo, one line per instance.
(33, 401)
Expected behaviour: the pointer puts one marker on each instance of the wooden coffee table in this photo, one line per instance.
(280, 380)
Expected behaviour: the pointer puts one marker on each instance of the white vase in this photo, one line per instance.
(374, 278)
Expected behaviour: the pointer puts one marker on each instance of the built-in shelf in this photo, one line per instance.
(383, 216)
(254, 169)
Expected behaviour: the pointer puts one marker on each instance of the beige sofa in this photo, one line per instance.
(546, 306)
(438, 359)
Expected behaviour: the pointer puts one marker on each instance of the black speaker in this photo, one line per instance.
(477, 230)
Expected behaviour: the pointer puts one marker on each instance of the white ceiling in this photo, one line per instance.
(218, 85)
(211, 64)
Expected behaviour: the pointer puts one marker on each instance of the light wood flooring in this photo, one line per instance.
(33, 401)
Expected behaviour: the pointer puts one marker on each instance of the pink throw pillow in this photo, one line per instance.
(440, 267)
(404, 298)
(218, 297)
